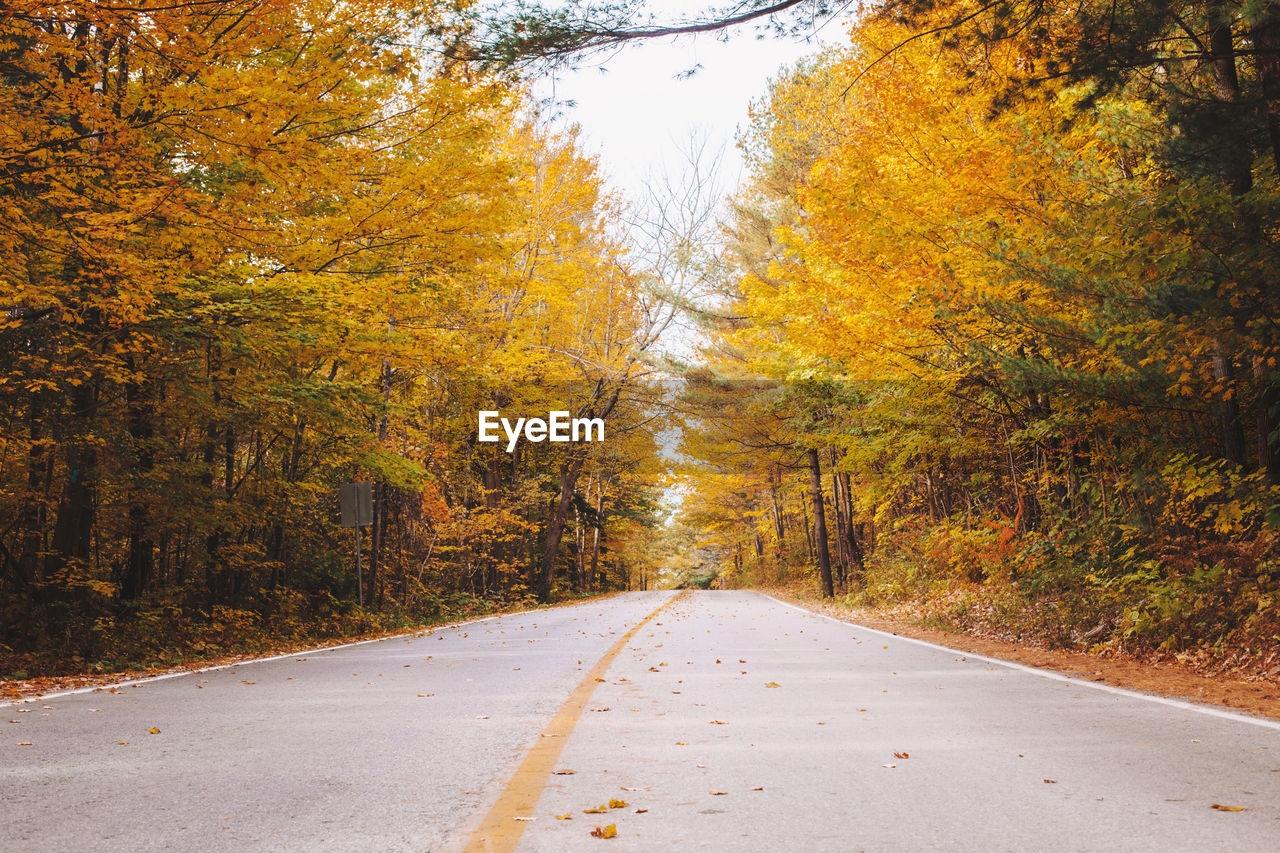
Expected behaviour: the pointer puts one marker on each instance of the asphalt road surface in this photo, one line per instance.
(724, 721)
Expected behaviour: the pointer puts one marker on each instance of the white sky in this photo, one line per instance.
(638, 117)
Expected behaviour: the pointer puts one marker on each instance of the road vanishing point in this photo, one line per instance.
(716, 721)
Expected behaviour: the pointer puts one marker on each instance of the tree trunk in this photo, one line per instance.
(858, 560)
(73, 529)
(820, 524)
(569, 471)
(141, 559)
(1230, 429)
(1266, 57)
(595, 536)
(32, 517)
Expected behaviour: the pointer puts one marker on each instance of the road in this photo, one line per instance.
(724, 720)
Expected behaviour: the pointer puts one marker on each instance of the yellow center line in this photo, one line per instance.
(501, 830)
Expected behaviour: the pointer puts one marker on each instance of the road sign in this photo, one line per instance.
(357, 504)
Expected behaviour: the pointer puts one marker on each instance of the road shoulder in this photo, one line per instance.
(1260, 697)
(33, 689)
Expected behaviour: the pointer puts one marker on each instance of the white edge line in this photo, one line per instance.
(1210, 710)
(133, 682)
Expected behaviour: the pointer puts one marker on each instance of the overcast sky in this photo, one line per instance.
(638, 115)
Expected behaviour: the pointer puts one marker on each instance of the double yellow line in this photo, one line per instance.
(500, 831)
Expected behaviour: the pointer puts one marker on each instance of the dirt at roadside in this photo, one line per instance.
(1167, 679)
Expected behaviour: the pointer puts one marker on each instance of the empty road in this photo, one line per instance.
(723, 720)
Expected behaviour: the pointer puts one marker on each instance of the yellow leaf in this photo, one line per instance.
(153, 731)
(716, 793)
(773, 684)
(564, 817)
(597, 810)
(1223, 808)
(607, 832)
(618, 804)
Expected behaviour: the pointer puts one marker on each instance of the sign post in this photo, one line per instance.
(356, 502)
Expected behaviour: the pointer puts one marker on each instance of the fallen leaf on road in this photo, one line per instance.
(718, 723)
(758, 788)
(629, 788)
(902, 755)
(565, 772)
(564, 817)
(597, 710)
(242, 681)
(1223, 808)
(716, 793)
(524, 818)
(1051, 781)
(601, 679)
(890, 766)
(618, 804)
(25, 743)
(682, 743)
(597, 809)
(153, 731)
(641, 811)
(740, 660)
(123, 742)
(609, 831)
(773, 684)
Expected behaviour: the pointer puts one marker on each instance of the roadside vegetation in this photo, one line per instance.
(997, 345)
(252, 252)
(990, 328)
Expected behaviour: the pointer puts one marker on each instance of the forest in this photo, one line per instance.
(987, 334)
(997, 347)
(254, 251)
